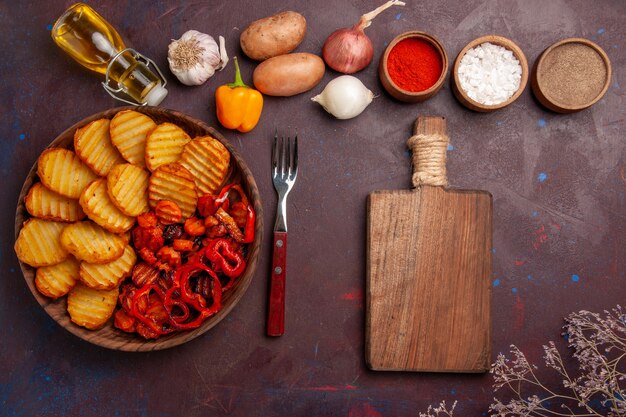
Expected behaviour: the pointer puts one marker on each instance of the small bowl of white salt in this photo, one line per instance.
(489, 73)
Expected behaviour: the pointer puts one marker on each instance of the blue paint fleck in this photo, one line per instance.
(530, 277)
(450, 147)
(493, 250)
(22, 136)
(601, 31)
(386, 43)
(399, 15)
(541, 122)
(407, 153)
(535, 213)
(496, 282)
(453, 391)
(498, 123)
(542, 176)
(575, 278)
(49, 27)
(12, 270)
(514, 290)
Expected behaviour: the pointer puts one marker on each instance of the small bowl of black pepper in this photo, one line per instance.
(571, 75)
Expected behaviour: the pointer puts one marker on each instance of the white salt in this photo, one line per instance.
(489, 74)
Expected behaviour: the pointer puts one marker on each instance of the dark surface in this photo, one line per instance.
(557, 183)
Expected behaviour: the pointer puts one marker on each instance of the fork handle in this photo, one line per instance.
(276, 311)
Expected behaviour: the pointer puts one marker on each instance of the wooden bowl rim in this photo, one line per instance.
(135, 342)
(501, 41)
(433, 40)
(583, 41)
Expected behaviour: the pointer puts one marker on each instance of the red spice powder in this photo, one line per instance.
(414, 65)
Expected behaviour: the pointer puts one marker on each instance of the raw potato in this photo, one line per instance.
(288, 75)
(273, 35)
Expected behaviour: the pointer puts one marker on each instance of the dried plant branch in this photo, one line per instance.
(440, 411)
(599, 347)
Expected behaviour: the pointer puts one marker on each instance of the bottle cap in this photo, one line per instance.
(156, 95)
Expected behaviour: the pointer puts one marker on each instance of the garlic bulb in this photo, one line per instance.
(195, 56)
(344, 97)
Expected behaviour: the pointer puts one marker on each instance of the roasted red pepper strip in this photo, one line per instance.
(182, 276)
(147, 321)
(197, 258)
(182, 289)
(248, 233)
(226, 260)
(204, 313)
(230, 224)
(169, 303)
(195, 323)
(209, 203)
(197, 301)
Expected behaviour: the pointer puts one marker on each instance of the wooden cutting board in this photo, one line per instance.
(428, 289)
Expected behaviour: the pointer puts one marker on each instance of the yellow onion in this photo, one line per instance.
(349, 50)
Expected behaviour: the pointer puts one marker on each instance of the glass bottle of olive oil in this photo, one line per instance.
(95, 44)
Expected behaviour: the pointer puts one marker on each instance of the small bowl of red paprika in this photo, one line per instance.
(413, 67)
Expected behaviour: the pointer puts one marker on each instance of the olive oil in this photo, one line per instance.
(84, 35)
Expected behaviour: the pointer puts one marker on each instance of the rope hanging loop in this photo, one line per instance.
(429, 159)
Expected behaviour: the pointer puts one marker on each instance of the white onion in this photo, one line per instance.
(344, 97)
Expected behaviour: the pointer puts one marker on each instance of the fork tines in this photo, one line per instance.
(285, 157)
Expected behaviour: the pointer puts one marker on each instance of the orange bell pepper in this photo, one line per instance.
(238, 106)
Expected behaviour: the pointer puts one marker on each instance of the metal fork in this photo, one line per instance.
(284, 172)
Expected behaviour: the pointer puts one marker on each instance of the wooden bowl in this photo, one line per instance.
(406, 95)
(108, 336)
(571, 75)
(462, 96)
